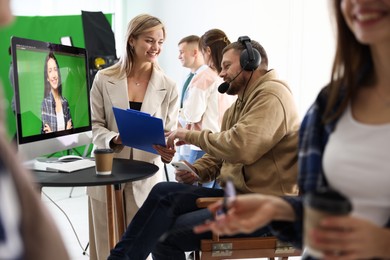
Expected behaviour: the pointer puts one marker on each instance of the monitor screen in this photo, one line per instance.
(52, 97)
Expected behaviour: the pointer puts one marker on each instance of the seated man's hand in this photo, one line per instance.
(178, 134)
(186, 177)
(165, 153)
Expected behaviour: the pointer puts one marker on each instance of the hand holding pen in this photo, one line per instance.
(229, 197)
(245, 214)
(220, 210)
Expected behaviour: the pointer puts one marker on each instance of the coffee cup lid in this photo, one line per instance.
(328, 200)
(103, 151)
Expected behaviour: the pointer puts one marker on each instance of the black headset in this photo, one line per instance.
(250, 58)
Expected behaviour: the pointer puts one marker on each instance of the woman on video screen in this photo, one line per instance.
(55, 108)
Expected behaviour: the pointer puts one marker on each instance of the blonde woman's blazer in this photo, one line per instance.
(161, 100)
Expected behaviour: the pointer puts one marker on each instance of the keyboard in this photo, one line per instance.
(66, 167)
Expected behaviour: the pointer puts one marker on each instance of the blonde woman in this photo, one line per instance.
(135, 82)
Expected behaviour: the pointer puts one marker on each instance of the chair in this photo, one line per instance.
(248, 247)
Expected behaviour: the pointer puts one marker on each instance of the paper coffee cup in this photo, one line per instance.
(318, 205)
(103, 161)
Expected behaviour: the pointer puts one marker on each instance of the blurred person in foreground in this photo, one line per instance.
(27, 230)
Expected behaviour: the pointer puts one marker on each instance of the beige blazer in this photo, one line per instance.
(161, 100)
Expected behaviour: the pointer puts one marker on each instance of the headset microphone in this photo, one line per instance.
(225, 85)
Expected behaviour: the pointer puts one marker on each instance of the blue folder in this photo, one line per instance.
(139, 130)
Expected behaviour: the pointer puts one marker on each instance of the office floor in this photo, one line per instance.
(71, 216)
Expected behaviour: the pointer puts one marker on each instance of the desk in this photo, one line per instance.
(123, 170)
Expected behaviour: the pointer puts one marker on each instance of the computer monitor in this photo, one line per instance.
(52, 97)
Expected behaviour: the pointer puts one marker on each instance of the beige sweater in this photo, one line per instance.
(257, 145)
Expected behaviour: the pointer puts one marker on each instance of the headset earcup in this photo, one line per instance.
(248, 64)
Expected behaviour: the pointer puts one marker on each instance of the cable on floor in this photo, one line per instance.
(70, 222)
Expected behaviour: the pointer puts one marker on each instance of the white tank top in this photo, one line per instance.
(60, 121)
(357, 163)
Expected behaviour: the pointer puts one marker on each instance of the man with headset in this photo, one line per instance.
(256, 149)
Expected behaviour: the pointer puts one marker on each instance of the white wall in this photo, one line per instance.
(295, 33)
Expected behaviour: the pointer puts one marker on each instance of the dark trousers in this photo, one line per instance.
(163, 225)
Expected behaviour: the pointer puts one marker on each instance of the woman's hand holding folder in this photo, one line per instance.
(165, 153)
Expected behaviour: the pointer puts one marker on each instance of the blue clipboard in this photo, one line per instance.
(139, 130)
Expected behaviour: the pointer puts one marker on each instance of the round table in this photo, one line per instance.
(123, 170)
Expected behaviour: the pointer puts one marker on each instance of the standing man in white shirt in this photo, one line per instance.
(200, 106)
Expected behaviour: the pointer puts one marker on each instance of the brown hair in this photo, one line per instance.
(350, 59)
(45, 75)
(216, 40)
(189, 39)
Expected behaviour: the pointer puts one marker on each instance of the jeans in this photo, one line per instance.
(195, 155)
(190, 155)
(168, 214)
(184, 153)
(163, 225)
(181, 238)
